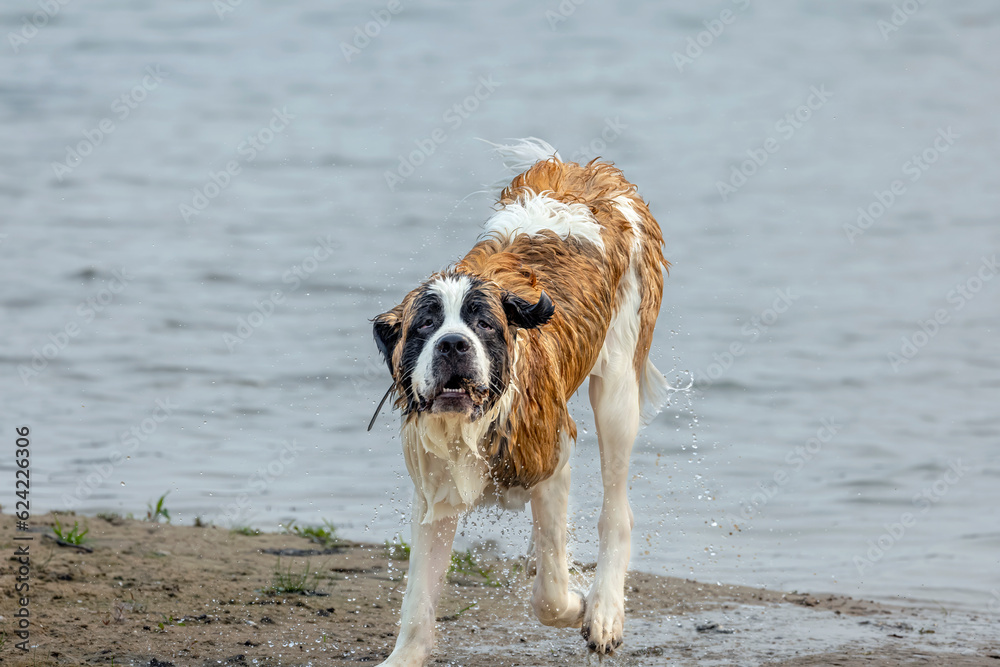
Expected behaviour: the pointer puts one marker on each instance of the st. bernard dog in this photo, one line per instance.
(564, 284)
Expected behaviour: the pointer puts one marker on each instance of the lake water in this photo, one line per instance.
(169, 167)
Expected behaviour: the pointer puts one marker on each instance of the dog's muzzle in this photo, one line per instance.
(457, 388)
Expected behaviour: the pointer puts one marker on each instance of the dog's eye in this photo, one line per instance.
(484, 325)
(426, 324)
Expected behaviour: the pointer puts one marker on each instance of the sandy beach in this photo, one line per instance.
(145, 593)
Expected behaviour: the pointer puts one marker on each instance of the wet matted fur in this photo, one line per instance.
(564, 284)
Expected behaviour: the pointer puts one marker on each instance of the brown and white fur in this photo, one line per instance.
(564, 284)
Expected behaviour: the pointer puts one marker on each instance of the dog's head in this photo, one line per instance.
(449, 344)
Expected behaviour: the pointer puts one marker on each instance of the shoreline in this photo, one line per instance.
(158, 594)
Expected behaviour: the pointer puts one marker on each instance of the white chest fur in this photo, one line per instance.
(443, 458)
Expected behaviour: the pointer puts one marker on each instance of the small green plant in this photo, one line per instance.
(464, 562)
(70, 535)
(457, 614)
(397, 549)
(154, 513)
(245, 530)
(325, 535)
(287, 581)
(170, 620)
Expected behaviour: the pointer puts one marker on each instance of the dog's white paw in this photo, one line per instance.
(407, 656)
(604, 624)
(403, 661)
(568, 612)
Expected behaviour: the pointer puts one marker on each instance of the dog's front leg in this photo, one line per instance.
(553, 602)
(430, 556)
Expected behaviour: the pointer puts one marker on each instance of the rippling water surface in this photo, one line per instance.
(807, 457)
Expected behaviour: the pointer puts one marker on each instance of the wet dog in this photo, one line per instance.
(564, 285)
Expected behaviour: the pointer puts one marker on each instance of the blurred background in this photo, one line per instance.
(204, 203)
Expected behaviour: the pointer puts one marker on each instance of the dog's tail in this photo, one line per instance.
(654, 392)
(520, 154)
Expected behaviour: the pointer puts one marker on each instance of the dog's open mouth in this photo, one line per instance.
(457, 394)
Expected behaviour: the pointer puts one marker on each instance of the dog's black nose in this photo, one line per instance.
(453, 345)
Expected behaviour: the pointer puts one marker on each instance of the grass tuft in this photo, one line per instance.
(70, 535)
(286, 581)
(325, 535)
(397, 549)
(154, 513)
(465, 562)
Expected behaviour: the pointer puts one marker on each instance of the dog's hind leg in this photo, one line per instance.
(430, 556)
(614, 396)
(554, 604)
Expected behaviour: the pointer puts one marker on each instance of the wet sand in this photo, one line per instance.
(157, 594)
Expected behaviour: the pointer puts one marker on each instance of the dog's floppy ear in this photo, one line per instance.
(527, 315)
(387, 328)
